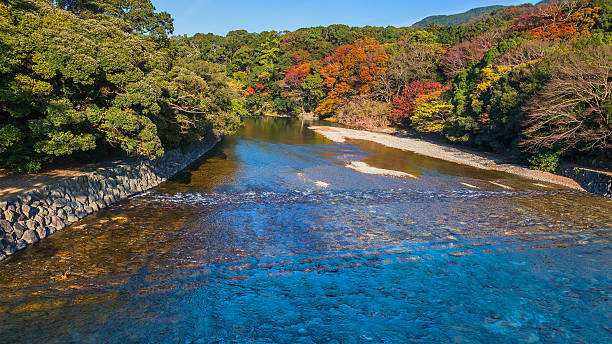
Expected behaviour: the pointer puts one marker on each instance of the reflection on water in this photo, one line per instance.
(245, 246)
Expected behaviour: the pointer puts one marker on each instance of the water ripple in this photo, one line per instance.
(310, 196)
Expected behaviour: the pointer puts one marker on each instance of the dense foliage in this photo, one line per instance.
(497, 82)
(92, 75)
(87, 78)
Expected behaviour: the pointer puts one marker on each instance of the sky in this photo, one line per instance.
(222, 16)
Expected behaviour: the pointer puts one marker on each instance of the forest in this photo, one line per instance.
(532, 82)
(94, 79)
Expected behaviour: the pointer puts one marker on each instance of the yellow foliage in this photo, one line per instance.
(430, 113)
(33, 86)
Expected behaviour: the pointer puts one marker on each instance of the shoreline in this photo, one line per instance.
(445, 152)
(40, 211)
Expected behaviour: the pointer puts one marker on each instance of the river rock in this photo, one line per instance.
(19, 226)
(6, 226)
(31, 224)
(30, 236)
(41, 232)
(21, 244)
(18, 233)
(11, 216)
(10, 249)
(26, 210)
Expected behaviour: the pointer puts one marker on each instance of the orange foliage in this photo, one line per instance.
(483, 119)
(564, 20)
(351, 69)
(249, 91)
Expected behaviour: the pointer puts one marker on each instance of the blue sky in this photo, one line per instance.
(219, 17)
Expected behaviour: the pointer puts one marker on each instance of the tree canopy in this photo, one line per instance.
(97, 75)
(83, 80)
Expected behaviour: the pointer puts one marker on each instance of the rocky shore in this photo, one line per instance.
(25, 219)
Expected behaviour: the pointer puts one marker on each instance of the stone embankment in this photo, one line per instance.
(30, 217)
(596, 182)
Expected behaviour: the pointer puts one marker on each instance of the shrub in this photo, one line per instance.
(547, 162)
(363, 113)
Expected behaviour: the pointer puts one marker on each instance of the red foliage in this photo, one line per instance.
(257, 88)
(300, 56)
(295, 75)
(464, 53)
(249, 91)
(483, 119)
(403, 106)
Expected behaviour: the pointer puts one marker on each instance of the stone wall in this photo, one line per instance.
(592, 181)
(28, 218)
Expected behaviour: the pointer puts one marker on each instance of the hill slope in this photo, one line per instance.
(457, 19)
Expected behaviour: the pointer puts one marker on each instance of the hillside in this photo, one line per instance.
(457, 19)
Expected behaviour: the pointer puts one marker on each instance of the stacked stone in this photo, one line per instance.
(28, 218)
(595, 182)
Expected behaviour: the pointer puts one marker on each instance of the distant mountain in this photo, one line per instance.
(457, 19)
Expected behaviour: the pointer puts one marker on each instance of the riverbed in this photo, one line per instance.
(280, 235)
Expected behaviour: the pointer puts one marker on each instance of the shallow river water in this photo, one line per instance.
(270, 238)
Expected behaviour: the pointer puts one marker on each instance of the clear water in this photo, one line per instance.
(247, 247)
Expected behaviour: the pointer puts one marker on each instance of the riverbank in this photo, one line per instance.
(41, 210)
(445, 152)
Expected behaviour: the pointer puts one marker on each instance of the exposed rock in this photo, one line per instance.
(26, 210)
(30, 236)
(11, 216)
(41, 232)
(6, 226)
(19, 227)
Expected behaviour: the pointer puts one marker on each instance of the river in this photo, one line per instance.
(270, 238)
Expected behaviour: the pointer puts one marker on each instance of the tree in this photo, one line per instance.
(528, 51)
(70, 85)
(573, 110)
(403, 105)
(557, 20)
(414, 61)
(350, 70)
(430, 113)
(464, 54)
(139, 14)
(363, 113)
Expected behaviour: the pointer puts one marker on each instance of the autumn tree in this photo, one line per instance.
(430, 112)
(557, 20)
(413, 61)
(403, 105)
(364, 113)
(528, 51)
(350, 70)
(465, 53)
(574, 110)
